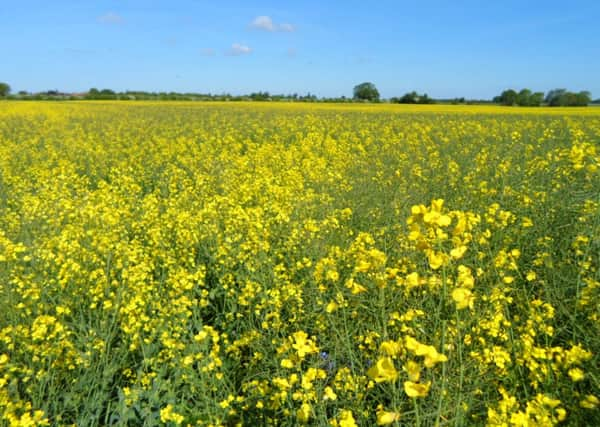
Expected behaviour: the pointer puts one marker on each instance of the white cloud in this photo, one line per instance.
(265, 23)
(111, 18)
(287, 28)
(239, 49)
(207, 52)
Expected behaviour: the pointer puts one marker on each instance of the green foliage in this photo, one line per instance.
(526, 98)
(94, 93)
(366, 92)
(4, 89)
(508, 97)
(564, 98)
(412, 98)
(555, 98)
(536, 99)
(260, 96)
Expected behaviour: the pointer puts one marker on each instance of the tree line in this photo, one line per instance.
(363, 92)
(554, 98)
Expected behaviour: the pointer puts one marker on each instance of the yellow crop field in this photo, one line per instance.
(256, 264)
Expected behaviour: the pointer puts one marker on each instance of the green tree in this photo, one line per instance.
(564, 98)
(425, 99)
(93, 93)
(366, 92)
(557, 97)
(4, 89)
(408, 98)
(524, 97)
(583, 98)
(536, 99)
(508, 97)
(412, 98)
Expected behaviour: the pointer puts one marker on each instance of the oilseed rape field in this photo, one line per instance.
(256, 264)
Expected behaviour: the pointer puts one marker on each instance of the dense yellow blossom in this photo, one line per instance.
(241, 264)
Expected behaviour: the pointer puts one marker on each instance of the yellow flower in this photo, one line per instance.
(391, 348)
(167, 414)
(437, 205)
(431, 354)
(386, 417)
(412, 280)
(415, 389)
(436, 259)
(434, 216)
(576, 374)
(303, 345)
(347, 419)
(527, 222)
(459, 252)
(465, 277)
(590, 402)
(329, 394)
(331, 307)
(463, 297)
(413, 370)
(383, 370)
(303, 414)
(287, 363)
(332, 275)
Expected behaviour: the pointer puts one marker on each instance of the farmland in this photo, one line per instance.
(283, 264)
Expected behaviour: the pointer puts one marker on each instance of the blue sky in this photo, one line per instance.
(444, 48)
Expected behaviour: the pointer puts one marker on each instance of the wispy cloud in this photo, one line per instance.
(265, 23)
(207, 52)
(111, 18)
(239, 49)
(286, 28)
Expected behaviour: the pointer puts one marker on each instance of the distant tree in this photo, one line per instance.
(536, 99)
(407, 98)
(412, 98)
(4, 89)
(557, 97)
(425, 99)
(583, 98)
(509, 97)
(524, 98)
(93, 93)
(564, 98)
(366, 92)
(260, 96)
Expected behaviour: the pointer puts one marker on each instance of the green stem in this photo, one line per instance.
(417, 414)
